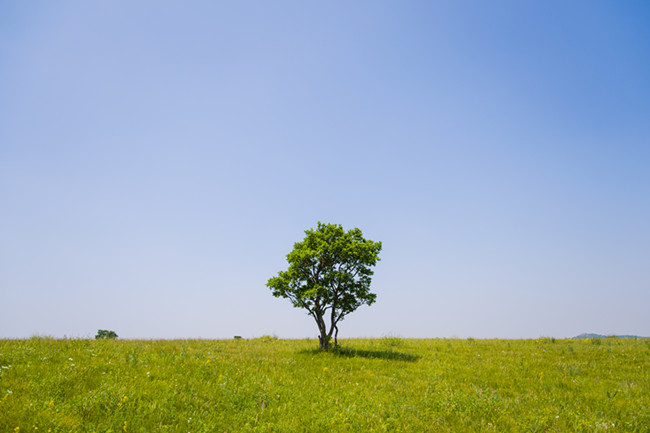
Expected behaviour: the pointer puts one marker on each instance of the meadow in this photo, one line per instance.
(368, 385)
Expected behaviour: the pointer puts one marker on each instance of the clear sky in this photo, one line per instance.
(158, 160)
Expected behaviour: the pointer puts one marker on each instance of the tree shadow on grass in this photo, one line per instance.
(388, 355)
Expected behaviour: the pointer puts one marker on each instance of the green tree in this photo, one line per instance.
(103, 334)
(329, 275)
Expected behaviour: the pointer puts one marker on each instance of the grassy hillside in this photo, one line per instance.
(268, 385)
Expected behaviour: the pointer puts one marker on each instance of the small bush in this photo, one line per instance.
(267, 338)
(37, 337)
(104, 334)
(392, 341)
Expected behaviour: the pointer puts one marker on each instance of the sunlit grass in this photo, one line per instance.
(271, 385)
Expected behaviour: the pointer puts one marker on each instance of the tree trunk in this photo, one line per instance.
(336, 335)
(323, 338)
(324, 342)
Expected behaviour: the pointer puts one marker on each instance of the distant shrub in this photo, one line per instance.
(392, 341)
(38, 337)
(104, 334)
(267, 338)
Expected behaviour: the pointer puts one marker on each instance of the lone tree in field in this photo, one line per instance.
(329, 275)
(103, 334)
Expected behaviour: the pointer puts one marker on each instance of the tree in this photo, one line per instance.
(103, 334)
(329, 275)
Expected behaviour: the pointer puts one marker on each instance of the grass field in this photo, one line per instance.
(271, 385)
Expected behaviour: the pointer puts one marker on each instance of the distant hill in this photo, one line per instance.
(605, 336)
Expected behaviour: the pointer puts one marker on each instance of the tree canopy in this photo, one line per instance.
(329, 275)
(103, 334)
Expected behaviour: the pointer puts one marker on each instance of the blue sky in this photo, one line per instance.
(159, 159)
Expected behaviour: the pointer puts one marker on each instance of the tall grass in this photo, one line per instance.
(273, 385)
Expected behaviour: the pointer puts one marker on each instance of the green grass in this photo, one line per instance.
(271, 385)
